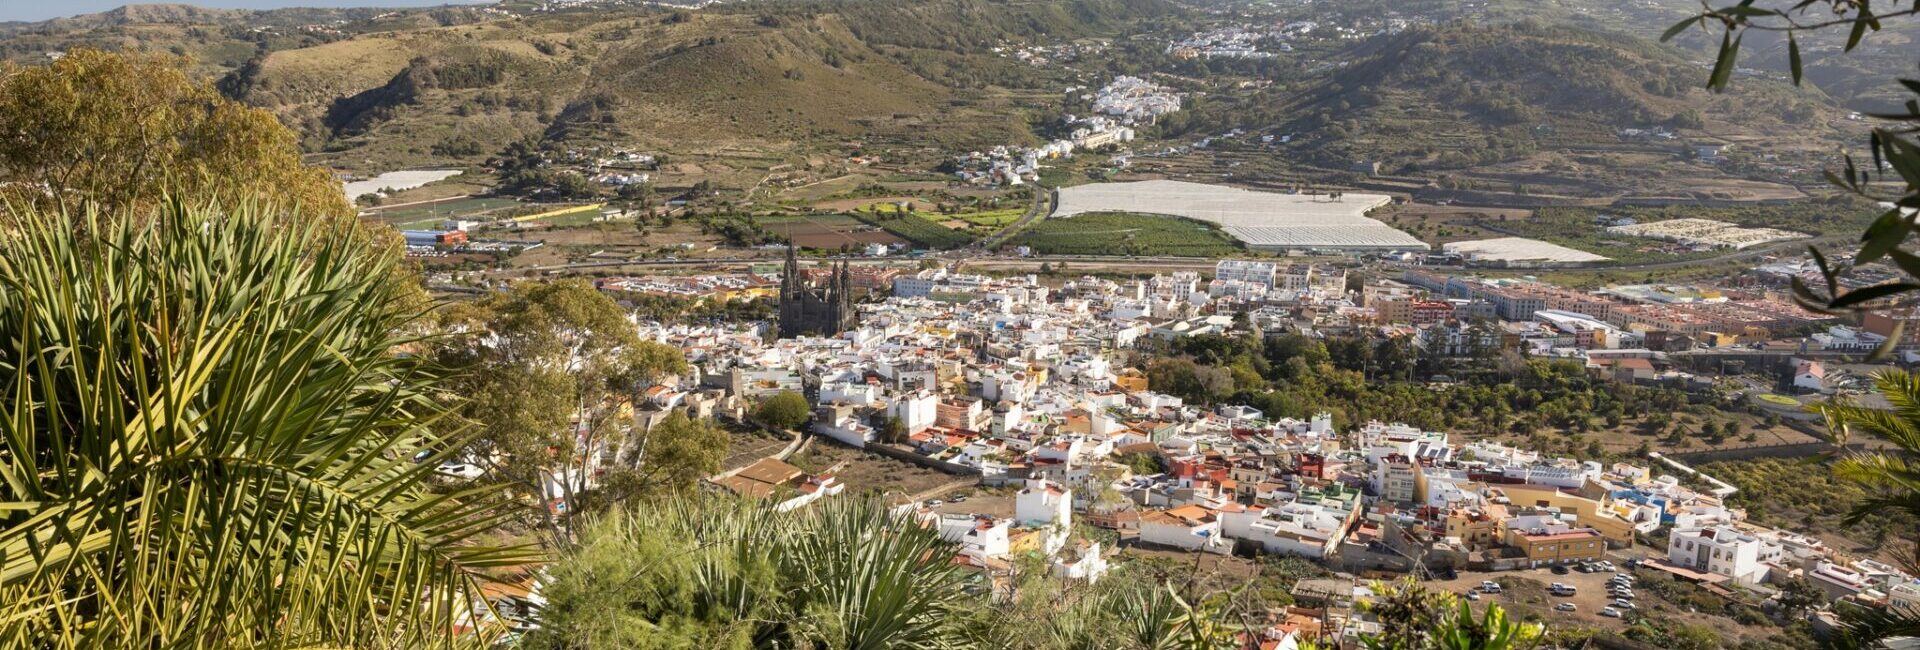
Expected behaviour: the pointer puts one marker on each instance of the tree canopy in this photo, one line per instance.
(552, 372)
(118, 131)
(785, 410)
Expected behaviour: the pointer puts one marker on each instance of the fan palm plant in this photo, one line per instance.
(1890, 475)
(204, 434)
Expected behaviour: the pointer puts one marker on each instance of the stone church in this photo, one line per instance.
(808, 309)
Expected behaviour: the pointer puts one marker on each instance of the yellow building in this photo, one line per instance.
(1478, 527)
(1130, 380)
(1591, 513)
(1580, 545)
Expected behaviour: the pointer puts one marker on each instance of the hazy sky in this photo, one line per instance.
(44, 9)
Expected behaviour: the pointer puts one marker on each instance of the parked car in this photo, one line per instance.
(1565, 607)
(1559, 570)
(460, 470)
(1622, 604)
(960, 499)
(936, 503)
(1473, 595)
(1610, 612)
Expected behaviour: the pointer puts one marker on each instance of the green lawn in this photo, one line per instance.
(1125, 233)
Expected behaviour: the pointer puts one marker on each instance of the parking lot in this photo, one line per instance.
(978, 502)
(1526, 591)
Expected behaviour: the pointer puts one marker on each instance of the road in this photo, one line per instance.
(1043, 199)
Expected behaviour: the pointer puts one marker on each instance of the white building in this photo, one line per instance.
(1082, 563)
(1809, 375)
(844, 425)
(979, 536)
(1189, 527)
(1246, 271)
(1044, 503)
(1303, 529)
(916, 410)
(1721, 550)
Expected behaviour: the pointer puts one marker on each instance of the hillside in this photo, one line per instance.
(215, 41)
(1457, 95)
(758, 78)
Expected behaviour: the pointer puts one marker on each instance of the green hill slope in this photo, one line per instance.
(1459, 94)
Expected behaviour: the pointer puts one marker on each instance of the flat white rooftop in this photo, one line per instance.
(1261, 219)
(1521, 249)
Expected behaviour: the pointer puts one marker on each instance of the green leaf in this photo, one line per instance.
(1680, 27)
(1894, 339)
(1865, 294)
(1793, 57)
(1723, 64)
(1908, 262)
(1904, 156)
(1859, 31)
(1885, 233)
(1826, 270)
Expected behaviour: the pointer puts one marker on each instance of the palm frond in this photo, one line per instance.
(204, 436)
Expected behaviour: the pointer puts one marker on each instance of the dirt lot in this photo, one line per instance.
(863, 472)
(1447, 223)
(746, 445)
(998, 504)
(1525, 594)
(830, 231)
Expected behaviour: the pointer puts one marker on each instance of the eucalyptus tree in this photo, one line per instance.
(552, 375)
(129, 130)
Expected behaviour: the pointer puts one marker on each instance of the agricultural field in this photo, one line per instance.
(826, 230)
(992, 218)
(874, 204)
(917, 229)
(427, 215)
(1126, 233)
(1265, 220)
(1576, 227)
